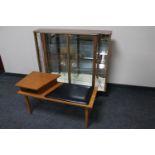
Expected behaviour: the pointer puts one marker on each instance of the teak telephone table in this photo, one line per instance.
(44, 86)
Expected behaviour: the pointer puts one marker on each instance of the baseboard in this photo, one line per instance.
(1, 72)
(15, 74)
(126, 85)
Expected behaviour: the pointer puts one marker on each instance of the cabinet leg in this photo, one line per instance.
(86, 117)
(28, 104)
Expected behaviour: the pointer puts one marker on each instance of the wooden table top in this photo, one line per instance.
(36, 80)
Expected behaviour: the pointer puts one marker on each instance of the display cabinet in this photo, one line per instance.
(79, 56)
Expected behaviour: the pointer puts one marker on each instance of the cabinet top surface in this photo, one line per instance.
(36, 80)
(74, 31)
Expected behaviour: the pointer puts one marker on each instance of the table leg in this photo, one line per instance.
(86, 117)
(28, 104)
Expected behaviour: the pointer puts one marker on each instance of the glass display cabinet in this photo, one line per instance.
(79, 56)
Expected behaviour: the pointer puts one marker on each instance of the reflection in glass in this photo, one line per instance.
(81, 59)
(72, 56)
(102, 60)
(57, 55)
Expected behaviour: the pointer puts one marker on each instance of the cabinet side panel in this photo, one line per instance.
(40, 53)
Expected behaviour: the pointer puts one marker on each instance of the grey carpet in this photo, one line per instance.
(124, 107)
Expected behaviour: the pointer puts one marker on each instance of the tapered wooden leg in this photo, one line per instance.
(28, 104)
(86, 117)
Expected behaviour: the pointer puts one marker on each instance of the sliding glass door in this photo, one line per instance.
(81, 59)
(57, 55)
(71, 56)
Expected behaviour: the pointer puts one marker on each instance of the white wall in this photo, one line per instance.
(17, 49)
(132, 61)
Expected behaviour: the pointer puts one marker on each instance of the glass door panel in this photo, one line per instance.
(102, 60)
(81, 59)
(57, 55)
